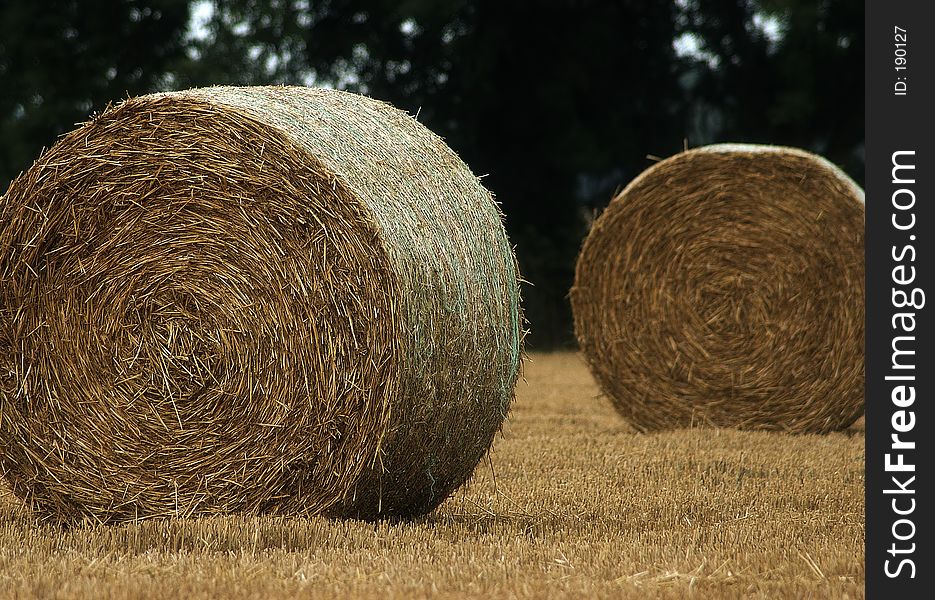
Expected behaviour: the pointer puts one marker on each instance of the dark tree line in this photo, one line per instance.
(557, 102)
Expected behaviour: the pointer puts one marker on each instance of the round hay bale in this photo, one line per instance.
(255, 300)
(725, 287)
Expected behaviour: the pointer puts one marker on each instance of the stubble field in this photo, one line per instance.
(571, 504)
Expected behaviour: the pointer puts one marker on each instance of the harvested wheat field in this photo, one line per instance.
(573, 503)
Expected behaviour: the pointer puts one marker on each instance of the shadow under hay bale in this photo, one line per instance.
(251, 300)
(725, 286)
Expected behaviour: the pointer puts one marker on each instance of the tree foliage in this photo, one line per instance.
(803, 88)
(61, 59)
(557, 102)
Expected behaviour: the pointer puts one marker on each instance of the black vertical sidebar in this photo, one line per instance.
(900, 225)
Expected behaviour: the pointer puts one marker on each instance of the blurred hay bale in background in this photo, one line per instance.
(725, 286)
(251, 299)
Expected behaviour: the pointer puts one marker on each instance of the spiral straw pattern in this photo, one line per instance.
(725, 287)
(253, 300)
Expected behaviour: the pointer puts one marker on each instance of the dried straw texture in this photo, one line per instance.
(251, 300)
(725, 286)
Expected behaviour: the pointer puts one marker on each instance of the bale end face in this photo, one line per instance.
(203, 310)
(724, 287)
